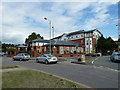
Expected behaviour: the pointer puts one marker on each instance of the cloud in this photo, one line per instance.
(20, 19)
(112, 1)
(115, 37)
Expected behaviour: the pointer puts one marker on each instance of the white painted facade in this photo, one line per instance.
(88, 45)
(37, 44)
(96, 34)
(77, 36)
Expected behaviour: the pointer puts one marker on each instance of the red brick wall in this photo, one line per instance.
(78, 40)
(68, 55)
(93, 43)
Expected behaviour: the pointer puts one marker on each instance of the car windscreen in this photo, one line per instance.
(117, 54)
(26, 54)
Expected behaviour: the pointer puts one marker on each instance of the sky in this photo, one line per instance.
(19, 18)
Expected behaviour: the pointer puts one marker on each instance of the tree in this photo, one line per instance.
(101, 44)
(106, 44)
(6, 46)
(119, 39)
(111, 45)
(32, 37)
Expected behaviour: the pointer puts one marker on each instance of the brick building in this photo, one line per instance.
(71, 43)
(87, 39)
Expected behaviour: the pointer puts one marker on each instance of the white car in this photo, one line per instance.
(21, 56)
(115, 57)
(2, 53)
(47, 58)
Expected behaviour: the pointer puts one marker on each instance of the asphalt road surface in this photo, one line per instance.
(96, 77)
(105, 62)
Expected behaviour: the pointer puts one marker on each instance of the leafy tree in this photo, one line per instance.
(111, 45)
(119, 39)
(32, 37)
(5, 46)
(106, 44)
(101, 44)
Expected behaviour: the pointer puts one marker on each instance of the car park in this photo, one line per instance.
(115, 57)
(22, 56)
(47, 58)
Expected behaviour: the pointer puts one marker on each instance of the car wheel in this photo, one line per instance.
(13, 59)
(55, 62)
(46, 62)
(37, 61)
(20, 59)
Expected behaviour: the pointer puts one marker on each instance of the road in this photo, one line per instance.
(104, 61)
(89, 75)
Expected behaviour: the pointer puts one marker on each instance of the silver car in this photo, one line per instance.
(22, 56)
(47, 58)
(115, 57)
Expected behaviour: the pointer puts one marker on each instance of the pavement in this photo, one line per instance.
(88, 75)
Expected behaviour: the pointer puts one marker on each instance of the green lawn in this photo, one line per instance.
(8, 66)
(33, 79)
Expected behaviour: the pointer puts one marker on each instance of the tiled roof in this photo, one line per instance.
(64, 43)
(77, 32)
(41, 40)
(59, 36)
(22, 46)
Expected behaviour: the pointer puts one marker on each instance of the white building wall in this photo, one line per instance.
(63, 38)
(96, 34)
(88, 45)
(77, 36)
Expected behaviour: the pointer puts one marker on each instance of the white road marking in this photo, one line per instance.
(94, 60)
(103, 66)
(106, 68)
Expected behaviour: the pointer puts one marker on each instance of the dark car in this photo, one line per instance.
(22, 56)
(115, 57)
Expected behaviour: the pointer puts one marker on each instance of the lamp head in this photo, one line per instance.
(45, 18)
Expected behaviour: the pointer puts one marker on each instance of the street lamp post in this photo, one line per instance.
(50, 31)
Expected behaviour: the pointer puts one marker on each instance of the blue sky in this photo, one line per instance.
(20, 19)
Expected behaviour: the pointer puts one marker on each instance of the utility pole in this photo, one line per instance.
(50, 32)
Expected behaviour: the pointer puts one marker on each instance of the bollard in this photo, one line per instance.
(83, 59)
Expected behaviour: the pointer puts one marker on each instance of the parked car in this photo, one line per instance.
(2, 53)
(115, 57)
(96, 54)
(22, 56)
(47, 58)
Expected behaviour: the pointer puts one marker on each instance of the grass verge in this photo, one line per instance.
(8, 66)
(33, 79)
